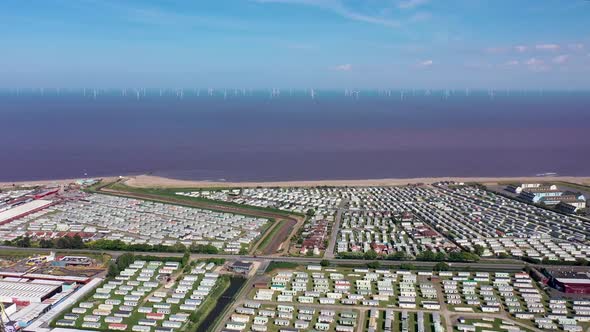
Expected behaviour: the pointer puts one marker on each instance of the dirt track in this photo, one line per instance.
(282, 235)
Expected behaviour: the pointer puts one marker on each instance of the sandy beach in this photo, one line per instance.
(150, 181)
(144, 181)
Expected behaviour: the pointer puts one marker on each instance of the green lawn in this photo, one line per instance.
(171, 193)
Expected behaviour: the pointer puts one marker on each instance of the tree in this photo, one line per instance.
(23, 242)
(178, 247)
(463, 256)
(478, 250)
(427, 255)
(243, 251)
(204, 249)
(325, 262)
(63, 243)
(104, 244)
(398, 256)
(350, 255)
(113, 270)
(407, 266)
(46, 243)
(374, 265)
(370, 255)
(310, 212)
(125, 260)
(440, 256)
(77, 242)
(441, 266)
(185, 258)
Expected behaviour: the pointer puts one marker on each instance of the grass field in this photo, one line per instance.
(171, 193)
(280, 265)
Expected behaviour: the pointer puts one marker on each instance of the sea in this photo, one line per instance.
(272, 135)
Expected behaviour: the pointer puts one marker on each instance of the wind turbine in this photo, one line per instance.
(447, 94)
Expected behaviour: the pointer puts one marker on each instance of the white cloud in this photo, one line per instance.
(535, 64)
(425, 63)
(154, 15)
(409, 4)
(547, 47)
(521, 48)
(337, 7)
(576, 46)
(512, 63)
(344, 67)
(561, 59)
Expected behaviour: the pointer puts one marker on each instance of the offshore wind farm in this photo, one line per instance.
(225, 93)
(241, 134)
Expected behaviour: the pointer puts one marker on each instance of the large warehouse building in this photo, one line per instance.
(573, 286)
(23, 210)
(18, 291)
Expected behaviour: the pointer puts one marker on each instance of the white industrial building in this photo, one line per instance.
(26, 291)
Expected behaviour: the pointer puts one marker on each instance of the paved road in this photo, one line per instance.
(335, 229)
(511, 265)
(360, 327)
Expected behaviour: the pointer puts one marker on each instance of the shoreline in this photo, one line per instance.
(149, 181)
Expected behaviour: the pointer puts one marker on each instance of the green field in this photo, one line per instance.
(171, 193)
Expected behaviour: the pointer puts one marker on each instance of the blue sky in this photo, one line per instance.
(296, 43)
